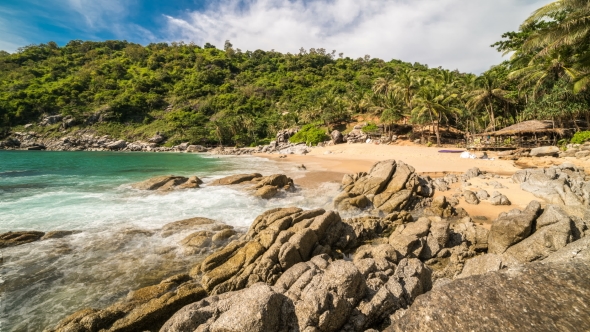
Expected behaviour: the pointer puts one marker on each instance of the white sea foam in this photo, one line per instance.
(118, 248)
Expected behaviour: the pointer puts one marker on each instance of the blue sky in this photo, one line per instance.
(454, 34)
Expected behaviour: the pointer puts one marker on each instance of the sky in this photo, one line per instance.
(453, 34)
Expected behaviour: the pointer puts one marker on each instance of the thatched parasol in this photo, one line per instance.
(527, 127)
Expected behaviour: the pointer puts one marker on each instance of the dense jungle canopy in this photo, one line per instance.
(229, 96)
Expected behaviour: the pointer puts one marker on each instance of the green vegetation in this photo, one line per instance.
(206, 95)
(370, 128)
(310, 134)
(581, 137)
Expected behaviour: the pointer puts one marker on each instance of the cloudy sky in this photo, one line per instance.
(454, 34)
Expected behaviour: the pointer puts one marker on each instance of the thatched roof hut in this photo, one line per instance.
(527, 127)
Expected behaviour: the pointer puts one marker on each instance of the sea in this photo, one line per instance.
(117, 247)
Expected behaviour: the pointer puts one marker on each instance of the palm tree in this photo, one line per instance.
(488, 91)
(383, 85)
(434, 102)
(571, 26)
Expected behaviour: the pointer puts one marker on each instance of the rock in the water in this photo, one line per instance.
(56, 234)
(185, 224)
(266, 192)
(166, 182)
(11, 239)
(235, 179)
(534, 297)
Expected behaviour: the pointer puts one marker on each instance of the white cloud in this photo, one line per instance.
(448, 33)
(98, 14)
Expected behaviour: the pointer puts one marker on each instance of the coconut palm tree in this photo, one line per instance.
(571, 28)
(488, 90)
(434, 102)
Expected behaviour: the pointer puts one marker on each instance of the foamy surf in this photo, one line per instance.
(119, 247)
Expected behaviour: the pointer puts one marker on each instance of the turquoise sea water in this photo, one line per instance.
(118, 247)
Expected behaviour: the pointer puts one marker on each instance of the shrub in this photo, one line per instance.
(370, 128)
(309, 134)
(581, 137)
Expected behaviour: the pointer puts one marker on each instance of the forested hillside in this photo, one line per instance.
(208, 95)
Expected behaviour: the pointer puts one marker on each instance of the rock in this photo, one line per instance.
(582, 154)
(540, 244)
(293, 301)
(276, 180)
(545, 151)
(157, 138)
(196, 148)
(560, 186)
(465, 231)
(266, 192)
(498, 199)
(579, 249)
(197, 241)
(223, 235)
(117, 145)
(471, 173)
(337, 137)
(186, 224)
(163, 183)
(534, 297)
(482, 195)
(470, 197)
(50, 120)
(11, 239)
(390, 186)
(510, 229)
(235, 179)
(551, 215)
(481, 264)
(57, 234)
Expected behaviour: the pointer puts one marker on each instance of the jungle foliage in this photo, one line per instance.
(211, 96)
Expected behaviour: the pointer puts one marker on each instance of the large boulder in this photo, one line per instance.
(389, 186)
(337, 137)
(550, 296)
(117, 145)
(235, 179)
(545, 151)
(512, 227)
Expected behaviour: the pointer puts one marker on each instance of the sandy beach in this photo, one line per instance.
(329, 164)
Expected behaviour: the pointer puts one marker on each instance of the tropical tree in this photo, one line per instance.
(434, 102)
(488, 90)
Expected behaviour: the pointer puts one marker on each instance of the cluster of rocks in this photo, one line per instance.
(443, 184)
(265, 187)
(389, 186)
(311, 270)
(578, 151)
(564, 184)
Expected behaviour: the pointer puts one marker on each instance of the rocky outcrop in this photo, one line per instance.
(144, 309)
(535, 297)
(265, 187)
(168, 182)
(512, 227)
(11, 239)
(389, 186)
(562, 185)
